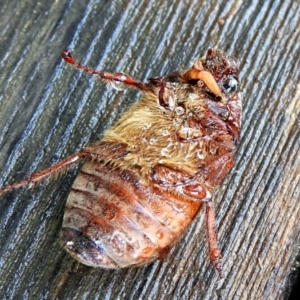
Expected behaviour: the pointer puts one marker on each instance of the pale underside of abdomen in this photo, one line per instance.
(113, 220)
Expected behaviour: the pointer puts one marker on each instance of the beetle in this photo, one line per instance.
(144, 182)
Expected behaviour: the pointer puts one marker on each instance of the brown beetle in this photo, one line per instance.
(144, 182)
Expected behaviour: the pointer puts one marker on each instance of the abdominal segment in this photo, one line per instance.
(113, 219)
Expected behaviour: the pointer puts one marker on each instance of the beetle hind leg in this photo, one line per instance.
(214, 251)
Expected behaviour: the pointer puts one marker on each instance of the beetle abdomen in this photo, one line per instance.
(114, 220)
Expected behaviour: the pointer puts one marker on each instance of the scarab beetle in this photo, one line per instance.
(144, 182)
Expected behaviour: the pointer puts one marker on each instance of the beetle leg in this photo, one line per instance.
(214, 251)
(111, 77)
(42, 175)
(93, 152)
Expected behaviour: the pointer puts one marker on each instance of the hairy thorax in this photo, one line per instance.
(182, 137)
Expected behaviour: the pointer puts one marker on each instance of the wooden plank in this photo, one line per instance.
(49, 111)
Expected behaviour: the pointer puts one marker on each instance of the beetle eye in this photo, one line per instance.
(230, 85)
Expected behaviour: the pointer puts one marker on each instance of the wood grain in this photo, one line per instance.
(49, 111)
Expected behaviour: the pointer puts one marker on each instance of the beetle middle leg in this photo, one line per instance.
(42, 175)
(95, 151)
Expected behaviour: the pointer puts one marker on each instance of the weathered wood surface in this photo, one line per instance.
(48, 111)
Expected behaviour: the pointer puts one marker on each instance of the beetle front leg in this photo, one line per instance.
(110, 77)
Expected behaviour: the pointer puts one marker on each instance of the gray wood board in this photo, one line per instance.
(49, 111)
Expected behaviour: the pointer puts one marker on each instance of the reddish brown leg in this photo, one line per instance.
(53, 170)
(214, 252)
(112, 77)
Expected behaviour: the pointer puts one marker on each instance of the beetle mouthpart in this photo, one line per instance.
(198, 73)
(210, 82)
(198, 64)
